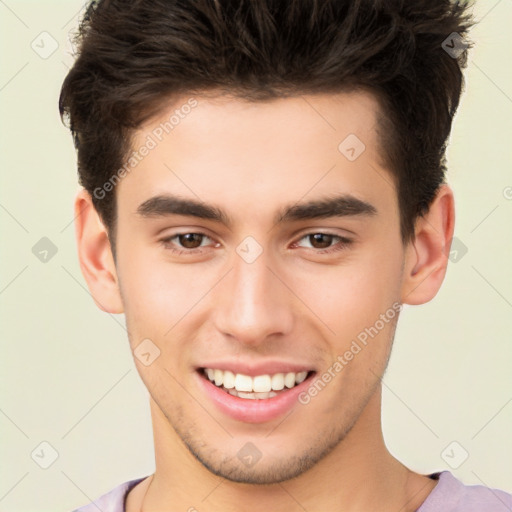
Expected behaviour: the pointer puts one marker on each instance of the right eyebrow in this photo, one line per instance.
(162, 205)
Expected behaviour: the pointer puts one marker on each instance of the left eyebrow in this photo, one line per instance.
(345, 205)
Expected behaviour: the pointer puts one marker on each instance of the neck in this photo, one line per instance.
(358, 474)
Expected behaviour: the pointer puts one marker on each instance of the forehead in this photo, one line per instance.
(278, 120)
(277, 150)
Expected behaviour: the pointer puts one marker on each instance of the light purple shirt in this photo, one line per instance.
(449, 495)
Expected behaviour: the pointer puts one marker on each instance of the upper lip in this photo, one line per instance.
(261, 368)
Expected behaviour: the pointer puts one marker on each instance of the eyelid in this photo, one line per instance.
(334, 235)
(167, 239)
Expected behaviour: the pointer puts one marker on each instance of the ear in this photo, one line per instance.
(426, 257)
(95, 255)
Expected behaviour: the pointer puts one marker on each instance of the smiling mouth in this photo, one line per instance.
(254, 388)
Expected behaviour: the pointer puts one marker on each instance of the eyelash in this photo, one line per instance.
(342, 244)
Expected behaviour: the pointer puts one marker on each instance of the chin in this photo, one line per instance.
(259, 473)
(261, 462)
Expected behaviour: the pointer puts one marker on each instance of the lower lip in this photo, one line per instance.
(253, 410)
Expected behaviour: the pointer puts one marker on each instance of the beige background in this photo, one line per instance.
(66, 371)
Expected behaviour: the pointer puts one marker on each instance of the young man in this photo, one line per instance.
(263, 191)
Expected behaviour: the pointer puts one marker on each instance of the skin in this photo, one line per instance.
(290, 304)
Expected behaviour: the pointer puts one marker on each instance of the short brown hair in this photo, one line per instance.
(136, 55)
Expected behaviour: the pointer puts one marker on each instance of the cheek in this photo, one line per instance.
(352, 295)
(157, 294)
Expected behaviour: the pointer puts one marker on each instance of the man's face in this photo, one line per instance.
(259, 295)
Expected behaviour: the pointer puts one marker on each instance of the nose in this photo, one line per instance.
(252, 304)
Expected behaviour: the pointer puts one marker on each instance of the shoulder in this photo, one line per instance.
(451, 495)
(112, 501)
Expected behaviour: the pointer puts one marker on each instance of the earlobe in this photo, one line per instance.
(426, 257)
(95, 255)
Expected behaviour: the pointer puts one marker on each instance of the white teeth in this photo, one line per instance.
(218, 376)
(241, 394)
(300, 377)
(278, 381)
(254, 396)
(262, 383)
(289, 380)
(229, 379)
(242, 382)
(260, 386)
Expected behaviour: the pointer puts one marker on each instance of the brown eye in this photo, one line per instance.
(321, 240)
(186, 243)
(324, 243)
(190, 240)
